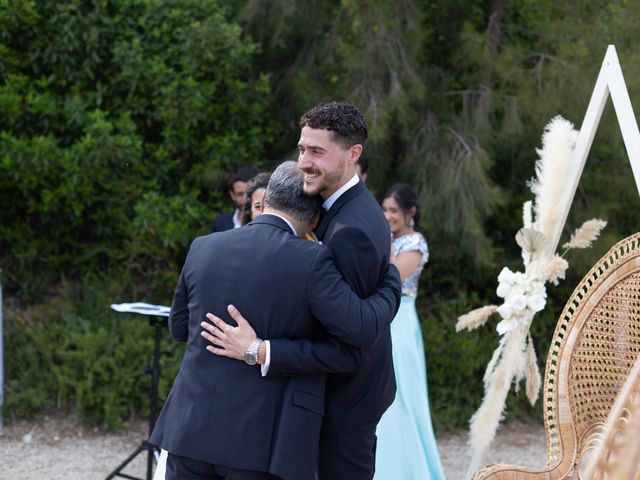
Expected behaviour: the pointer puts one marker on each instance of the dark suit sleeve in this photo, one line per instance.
(355, 257)
(344, 315)
(311, 356)
(179, 316)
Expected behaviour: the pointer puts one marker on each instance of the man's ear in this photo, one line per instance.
(314, 221)
(262, 202)
(231, 195)
(356, 151)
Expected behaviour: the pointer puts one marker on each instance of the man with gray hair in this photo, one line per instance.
(222, 419)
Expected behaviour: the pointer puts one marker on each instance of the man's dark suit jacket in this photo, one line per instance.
(223, 222)
(222, 411)
(358, 234)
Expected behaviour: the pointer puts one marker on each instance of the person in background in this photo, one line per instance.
(237, 192)
(362, 165)
(256, 188)
(406, 443)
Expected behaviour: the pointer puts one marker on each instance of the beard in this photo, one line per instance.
(325, 181)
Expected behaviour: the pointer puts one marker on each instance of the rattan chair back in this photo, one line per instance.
(617, 455)
(592, 352)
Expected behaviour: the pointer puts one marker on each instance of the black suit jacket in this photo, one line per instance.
(222, 411)
(223, 222)
(358, 234)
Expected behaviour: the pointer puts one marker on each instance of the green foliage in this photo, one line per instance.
(118, 125)
(72, 353)
(109, 111)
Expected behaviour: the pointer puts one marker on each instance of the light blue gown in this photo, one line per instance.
(406, 447)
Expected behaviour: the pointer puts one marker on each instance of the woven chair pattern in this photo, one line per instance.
(617, 453)
(593, 349)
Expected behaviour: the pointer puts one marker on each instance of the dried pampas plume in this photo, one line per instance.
(475, 318)
(586, 234)
(527, 217)
(555, 269)
(552, 170)
(532, 373)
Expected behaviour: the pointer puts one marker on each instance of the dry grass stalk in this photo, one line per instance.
(552, 169)
(555, 269)
(584, 236)
(532, 374)
(475, 318)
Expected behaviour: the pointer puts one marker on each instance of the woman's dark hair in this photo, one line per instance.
(406, 199)
(261, 180)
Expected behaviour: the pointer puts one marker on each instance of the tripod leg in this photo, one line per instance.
(119, 468)
(151, 460)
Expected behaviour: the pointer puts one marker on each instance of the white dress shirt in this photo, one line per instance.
(237, 223)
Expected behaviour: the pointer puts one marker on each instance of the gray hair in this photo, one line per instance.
(285, 192)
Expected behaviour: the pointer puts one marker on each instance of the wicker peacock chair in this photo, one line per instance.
(594, 348)
(617, 455)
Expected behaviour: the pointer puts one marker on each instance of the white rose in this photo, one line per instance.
(536, 302)
(518, 302)
(519, 277)
(503, 289)
(506, 276)
(504, 310)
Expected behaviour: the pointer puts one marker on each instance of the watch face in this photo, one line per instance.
(250, 358)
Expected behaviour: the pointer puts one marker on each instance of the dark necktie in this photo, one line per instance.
(325, 218)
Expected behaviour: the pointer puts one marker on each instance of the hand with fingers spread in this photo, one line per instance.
(229, 341)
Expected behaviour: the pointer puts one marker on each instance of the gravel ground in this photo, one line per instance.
(58, 448)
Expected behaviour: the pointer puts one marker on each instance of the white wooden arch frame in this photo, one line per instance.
(610, 81)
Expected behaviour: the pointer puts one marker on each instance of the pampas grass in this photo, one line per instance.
(532, 373)
(485, 421)
(584, 236)
(555, 269)
(556, 157)
(475, 318)
(515, 359)
(527, 221)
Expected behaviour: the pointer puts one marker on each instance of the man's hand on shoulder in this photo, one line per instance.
(229, 341)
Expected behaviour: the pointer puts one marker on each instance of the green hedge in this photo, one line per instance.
(118, 124)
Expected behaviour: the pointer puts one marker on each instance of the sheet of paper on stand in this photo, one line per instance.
(142, 308)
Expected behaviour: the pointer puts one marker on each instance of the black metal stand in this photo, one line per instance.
(145, 446)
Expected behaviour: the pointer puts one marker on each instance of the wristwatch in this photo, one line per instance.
(250, 357)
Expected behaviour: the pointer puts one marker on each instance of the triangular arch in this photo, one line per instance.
(610, 82)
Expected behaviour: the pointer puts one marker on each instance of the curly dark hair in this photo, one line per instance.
(342, 119)
(261, 180)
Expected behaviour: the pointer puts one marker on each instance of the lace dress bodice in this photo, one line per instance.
(407, 243)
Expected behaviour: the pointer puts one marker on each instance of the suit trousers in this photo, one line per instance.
(183, 468)
(348, 455)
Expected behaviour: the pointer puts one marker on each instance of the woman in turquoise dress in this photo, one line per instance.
(406, 447)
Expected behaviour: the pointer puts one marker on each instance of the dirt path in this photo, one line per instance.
(60, 449)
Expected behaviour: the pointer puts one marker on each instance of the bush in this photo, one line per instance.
(73, 353)
(118, 124)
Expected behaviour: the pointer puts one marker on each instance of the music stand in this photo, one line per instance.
(157, 318)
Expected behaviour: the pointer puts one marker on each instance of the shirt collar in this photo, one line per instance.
(237, 223)
(328, 203)
(293, 229)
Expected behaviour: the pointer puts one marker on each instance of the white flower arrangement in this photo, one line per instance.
(523, 297)
(524, 293)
